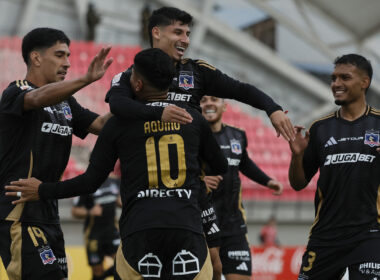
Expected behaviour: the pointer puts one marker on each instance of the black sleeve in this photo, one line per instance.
(102, 162)
(210, 151)
(86, 201)
(82, 118)
(310, 157)
(12, 100)
(250, 169)
(220, 85)
(122, 103)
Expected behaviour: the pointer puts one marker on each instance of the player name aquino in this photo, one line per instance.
(158, 126)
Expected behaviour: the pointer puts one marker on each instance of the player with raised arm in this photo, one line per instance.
(160, 225)
(38, 116)
(169, 30)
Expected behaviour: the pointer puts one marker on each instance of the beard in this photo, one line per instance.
(340, 102)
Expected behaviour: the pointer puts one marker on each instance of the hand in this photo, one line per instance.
(283, 125)
(212, 182)
(174, 113)
(97, 210)
(300, 143)
(276, 186)
(98, 67)
(27, 187)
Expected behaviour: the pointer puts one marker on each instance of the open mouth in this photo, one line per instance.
(181, 50)
(210, 111)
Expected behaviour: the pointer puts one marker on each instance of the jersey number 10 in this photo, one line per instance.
(163, 152)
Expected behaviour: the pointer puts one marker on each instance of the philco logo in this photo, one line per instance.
(348, 158)
(55, 128)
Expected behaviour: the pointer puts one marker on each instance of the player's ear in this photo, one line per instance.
(156, 33)
(35, 58)
(224, 106)
(139, 85)
(365, 82)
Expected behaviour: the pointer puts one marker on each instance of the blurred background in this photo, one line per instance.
(284, 47)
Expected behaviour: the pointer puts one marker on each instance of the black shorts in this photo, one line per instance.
(235, 255)
(163, 254)
(101, 244)
(33, 251)
(330, 262)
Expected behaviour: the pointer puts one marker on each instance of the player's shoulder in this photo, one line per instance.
(120, 76)
(373, 111)
(18, 86)
(234, 128)
(198, 63)
(322, 120)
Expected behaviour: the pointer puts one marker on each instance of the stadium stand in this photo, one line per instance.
(272, 154)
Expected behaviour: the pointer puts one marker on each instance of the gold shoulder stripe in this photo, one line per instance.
(22, 83)
(367, 110)
(208, 66)
(184, 61)
(18, 83)
(323, 118)
(375, 113)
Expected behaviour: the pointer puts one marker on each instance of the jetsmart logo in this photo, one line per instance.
(55, 128)
(348, 158)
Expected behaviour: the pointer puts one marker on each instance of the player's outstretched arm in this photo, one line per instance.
(221, 85)
(54, 93)
(297, 177)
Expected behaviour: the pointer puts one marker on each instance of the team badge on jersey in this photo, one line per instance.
(371, 138)
(235, 146)
(67, 112)
(47, 256)
(186, 80)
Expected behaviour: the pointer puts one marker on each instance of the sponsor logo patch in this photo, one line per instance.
(150, 266)
(185, 263)
(348, 158)
(55, 128)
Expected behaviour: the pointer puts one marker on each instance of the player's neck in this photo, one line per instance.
(353, 111)
(216, 126)
(35, 79)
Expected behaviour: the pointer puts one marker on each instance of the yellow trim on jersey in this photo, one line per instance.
(378, 204)
(184, 61)
(324, 118)
(318, 210)
(15, 214)
(367, 110)
(14, 268)
(205, 64)
(124, 270)
(206, 271)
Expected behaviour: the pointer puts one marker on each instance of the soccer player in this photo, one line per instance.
(101, 233)
(169, 30)
(38, 116)
(344, 146)
(235, 253)
(160, 224)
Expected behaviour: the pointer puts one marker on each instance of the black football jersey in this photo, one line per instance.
(36, 143)
(160, 169)
(347, 197)
(227, 197)
(193, 79)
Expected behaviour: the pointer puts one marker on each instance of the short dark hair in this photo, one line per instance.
(166, 16)
(358, 61)
(156, 67)
(41, 38)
